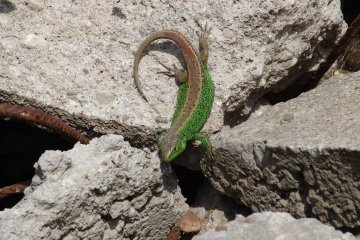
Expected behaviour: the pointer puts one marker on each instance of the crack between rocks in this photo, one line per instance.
(292, 86)
(138, 137)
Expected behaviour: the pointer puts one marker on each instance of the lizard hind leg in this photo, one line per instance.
(181, 75)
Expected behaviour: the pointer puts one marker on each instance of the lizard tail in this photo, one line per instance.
(179, 38)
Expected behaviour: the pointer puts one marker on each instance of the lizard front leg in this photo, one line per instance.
(181, 75)
(206, 142)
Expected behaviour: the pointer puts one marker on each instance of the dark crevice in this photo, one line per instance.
(10, 201)
(21, 145)
(189, 182)
(187, 236)
(355, 231)
(350, 59)
(350, 10)
(284, 194)
(194, 186)
(138, 137)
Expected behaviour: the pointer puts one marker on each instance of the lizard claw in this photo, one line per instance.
(204, 30)
(167, 73)
(210, 154)
(172, 69)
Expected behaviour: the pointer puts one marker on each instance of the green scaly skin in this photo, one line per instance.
(195, 95)
(191, 128)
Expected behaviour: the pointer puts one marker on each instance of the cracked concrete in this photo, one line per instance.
(269, 226)
(300, 156)
(74, 59)
(103, 190)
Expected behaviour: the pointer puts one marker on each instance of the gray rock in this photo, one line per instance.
(104, 190)
(301, 156)
(78, 64)
(271, 226)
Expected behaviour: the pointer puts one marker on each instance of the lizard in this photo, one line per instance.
(195, 95)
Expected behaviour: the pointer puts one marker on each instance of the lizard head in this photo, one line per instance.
(170, 146)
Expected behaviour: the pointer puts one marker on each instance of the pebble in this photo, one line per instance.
(35, 4)
(34, 41)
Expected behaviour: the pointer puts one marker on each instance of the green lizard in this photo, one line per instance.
(195, 95)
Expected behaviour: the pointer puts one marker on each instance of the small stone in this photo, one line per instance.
(262, 82)
(35, 4)
(190, 222)
(34, 41)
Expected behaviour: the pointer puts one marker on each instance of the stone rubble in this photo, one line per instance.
(270, 226)
(300, 156)
(103, 190)
(74, 60)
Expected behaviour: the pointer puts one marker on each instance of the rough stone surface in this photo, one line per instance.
(269, 226)
(300, 156)
(104, 190)
(78, 64)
